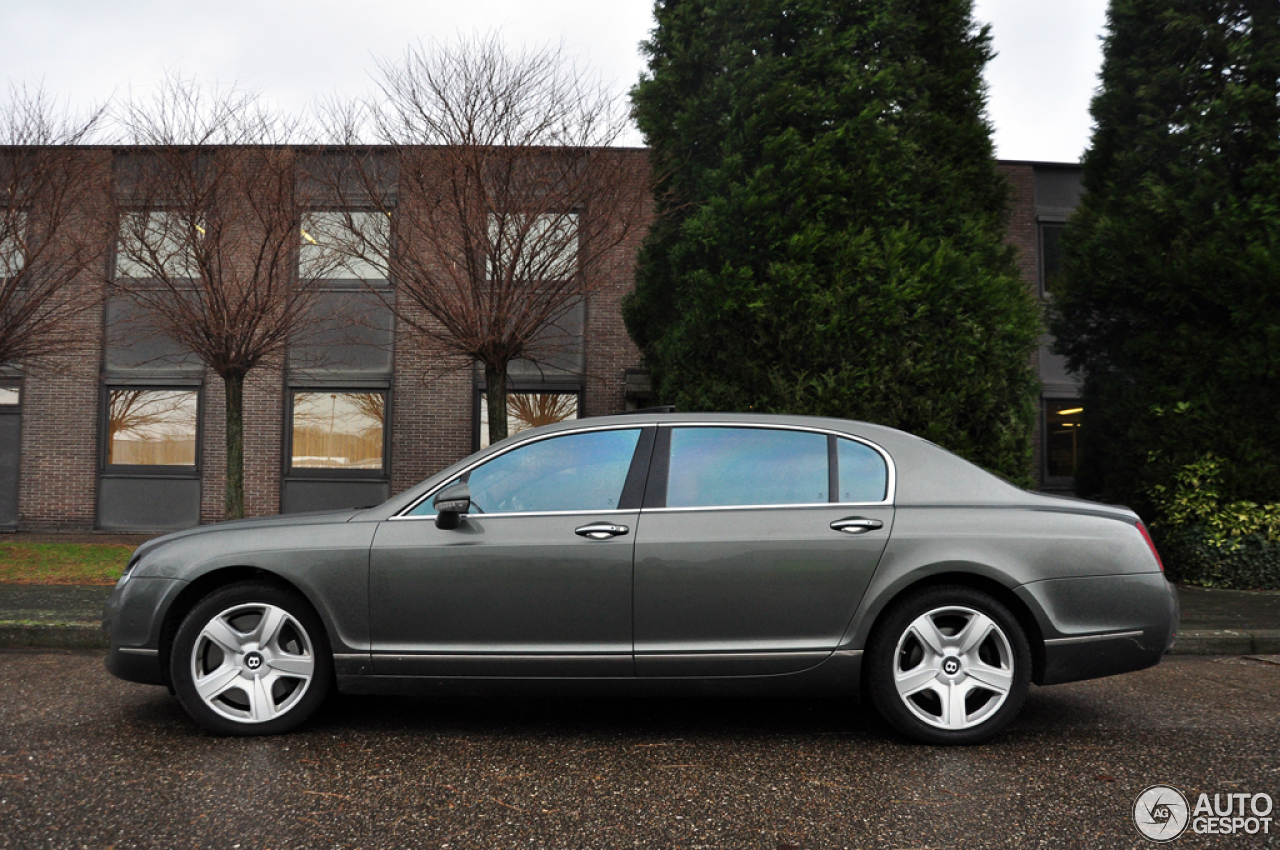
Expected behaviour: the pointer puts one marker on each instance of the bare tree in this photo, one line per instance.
(51, 233)
(210, 212)
(503, 198)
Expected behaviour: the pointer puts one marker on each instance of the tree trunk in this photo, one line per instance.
(495, 381)
(234, 508)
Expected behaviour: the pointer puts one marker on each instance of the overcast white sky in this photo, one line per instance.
(296, 50)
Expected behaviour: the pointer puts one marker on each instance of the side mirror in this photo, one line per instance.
(450, 504)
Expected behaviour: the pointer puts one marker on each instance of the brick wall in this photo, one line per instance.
(1023, 235)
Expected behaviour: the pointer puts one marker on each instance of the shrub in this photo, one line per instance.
(1209, 543)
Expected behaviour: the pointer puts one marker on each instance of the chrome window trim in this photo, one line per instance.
(404, 513)
(891, 485)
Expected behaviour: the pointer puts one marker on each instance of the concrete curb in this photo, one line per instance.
(17, 634)
(1227, 642)
(89, 635)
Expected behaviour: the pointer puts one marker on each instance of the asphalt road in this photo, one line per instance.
(89, 761)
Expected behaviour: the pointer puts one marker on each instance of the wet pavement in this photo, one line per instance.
(89, 761)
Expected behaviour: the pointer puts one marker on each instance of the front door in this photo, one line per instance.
(535, 581)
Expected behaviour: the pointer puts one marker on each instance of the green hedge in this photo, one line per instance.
(1192, 556)
(1207, 541)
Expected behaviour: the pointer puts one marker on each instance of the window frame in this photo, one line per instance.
(328, 473)
(1044, 222)
(116, 252)
(1054, 482)
(138, 470)
(340, 282)
(655, 497)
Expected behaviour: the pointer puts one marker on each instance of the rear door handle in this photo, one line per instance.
(856, 525)
(601, 530)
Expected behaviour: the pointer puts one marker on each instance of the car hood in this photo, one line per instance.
(291, 520)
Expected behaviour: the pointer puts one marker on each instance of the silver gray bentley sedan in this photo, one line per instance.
(658, 552)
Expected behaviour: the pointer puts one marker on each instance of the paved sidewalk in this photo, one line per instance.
(1214, 622)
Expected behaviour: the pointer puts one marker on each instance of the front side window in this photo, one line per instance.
(338, 430)
(151, 427)
(712, 467)
(527, 410)
(574, 472)
(344, 245)
(157, 244)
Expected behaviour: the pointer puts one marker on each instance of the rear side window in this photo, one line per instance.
(576, 472)
(863, 475)
(746, 466)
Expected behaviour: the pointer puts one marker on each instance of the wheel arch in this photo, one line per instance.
(976, 581)
(213, 581)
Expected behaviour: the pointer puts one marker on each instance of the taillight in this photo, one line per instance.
(1142, 529)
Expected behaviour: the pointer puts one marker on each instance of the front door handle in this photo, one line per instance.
(601, 530)
(856, 525)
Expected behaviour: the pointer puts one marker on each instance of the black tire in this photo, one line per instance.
(233, 682)
(930, 680)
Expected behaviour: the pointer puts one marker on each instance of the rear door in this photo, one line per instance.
(754, 548)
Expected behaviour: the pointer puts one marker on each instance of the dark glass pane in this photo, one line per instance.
(152, 427)
(576, 472)
(1051, 254)
(746, 466)
(1062, 435)
(863, 474)
(339, 430)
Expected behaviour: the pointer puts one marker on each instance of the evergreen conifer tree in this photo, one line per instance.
(1170, 305)
(830, 238)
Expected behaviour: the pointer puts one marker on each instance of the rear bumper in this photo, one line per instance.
(1103, 625)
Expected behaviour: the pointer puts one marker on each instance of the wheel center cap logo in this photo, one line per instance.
(253, 660)
(951, 666)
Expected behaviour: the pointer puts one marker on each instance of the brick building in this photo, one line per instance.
(126, 432)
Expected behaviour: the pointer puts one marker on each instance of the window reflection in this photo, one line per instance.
(1062, 436)
(152, 427)
(530, 410)
(338, 430)
(746, 466)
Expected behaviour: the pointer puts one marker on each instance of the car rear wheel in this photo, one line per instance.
(251, 659)
(948, 665)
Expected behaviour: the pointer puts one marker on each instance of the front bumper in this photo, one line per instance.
(133, 619)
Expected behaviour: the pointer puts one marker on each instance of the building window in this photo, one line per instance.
(1062, 437)
(13, 236)
(344, 245)
(539, 247)
(10, 395)
(338, 430)
(152, 427)
(527, 410)
(1051, 267)
(157, 245)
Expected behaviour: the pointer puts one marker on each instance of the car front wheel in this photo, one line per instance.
(948, 665)
(251, 659)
